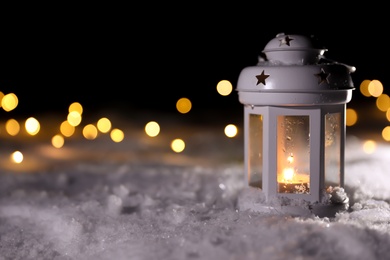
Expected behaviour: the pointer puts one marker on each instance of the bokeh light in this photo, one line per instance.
(152, 128)
(67, 129)
(178, 145)
(1, 98)
(388, 114)
(104, 125)
(369, 146)
(12, 127)
(58, 141)
(9, 102)
(383, 102)
(32, 126)
(364, 88)
(76, 106)
(90, 132)
(17, 157)
(351, 117)
(117, 135)
(230, 130)
(74, 118)
(375, 88)
(224, 87)
(183, 105)
(386, 133)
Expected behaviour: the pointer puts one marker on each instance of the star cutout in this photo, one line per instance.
(322, 76)
(286, 40)
(261, 78)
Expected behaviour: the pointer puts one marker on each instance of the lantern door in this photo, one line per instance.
(283, 151)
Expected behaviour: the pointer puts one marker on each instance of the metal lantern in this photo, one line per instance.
(294, 119)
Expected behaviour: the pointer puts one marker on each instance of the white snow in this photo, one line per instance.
(140, 200)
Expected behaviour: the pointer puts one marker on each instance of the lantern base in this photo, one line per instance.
(254, 199)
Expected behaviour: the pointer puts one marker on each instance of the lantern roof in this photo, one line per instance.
(293, 49)
(295, 72)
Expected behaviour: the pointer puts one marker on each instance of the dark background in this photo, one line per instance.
(144, 58)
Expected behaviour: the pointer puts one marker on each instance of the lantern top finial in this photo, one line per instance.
(293, 49)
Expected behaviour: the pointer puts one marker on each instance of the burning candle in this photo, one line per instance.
(289, 181)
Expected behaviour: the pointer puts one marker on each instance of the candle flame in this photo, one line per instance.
(288, 174)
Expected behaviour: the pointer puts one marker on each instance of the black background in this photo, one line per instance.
(134, 58)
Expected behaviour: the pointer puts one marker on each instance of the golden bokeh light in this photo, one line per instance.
(351, 117)
(388, 114)
(67, 129)
(58, 141)
(369, 146)
(383, 102)
(152, 128)
(183, 105)
(12, 127)
(90, 132)
(1, 97)
(224, 87)
(9, 102)
(364, 88)
(375, 88)
(178, 145)
(76, 106)
(117, 135)
(386, 133)
(17, 157)
(104, 125)
(230, 130)
(74, 118)
(32, 126)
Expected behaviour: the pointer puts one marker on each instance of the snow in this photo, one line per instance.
(140, 200)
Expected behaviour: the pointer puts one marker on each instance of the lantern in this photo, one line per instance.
(294, 120)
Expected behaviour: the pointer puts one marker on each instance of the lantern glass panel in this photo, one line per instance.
(255, 157)
(293, 154)
(332, 149)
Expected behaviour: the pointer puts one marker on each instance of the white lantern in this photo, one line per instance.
(294, 120)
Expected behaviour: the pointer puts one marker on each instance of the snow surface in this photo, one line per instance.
(140, 200)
